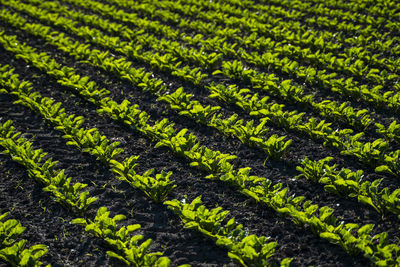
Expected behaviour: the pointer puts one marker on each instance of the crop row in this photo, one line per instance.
(55, 181)
(243, 66)
(218, 166)
(274, 146)
(125, 248)
(174, 53)
(297, 10)
(346, 87)
(331, 109)
(90, 141)
(179, 98)
(375, 8)
(207, 22)
(329, 10)
(253, 41)
(372, 153)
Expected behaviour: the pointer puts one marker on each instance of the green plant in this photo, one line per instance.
(157, 187)
(126, 247)
(13, 251)
(246, 249)
(55, 181)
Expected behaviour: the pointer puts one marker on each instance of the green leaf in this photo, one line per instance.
(117, 256)
(368, 201)
(251, 194)
(331, 237)
(165, 262)
(80, 221)
(365, 230)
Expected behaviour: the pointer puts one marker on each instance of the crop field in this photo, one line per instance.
(199, 132)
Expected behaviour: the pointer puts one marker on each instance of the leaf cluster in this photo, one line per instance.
(126, 247)
(246, 249)
(15, 252)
